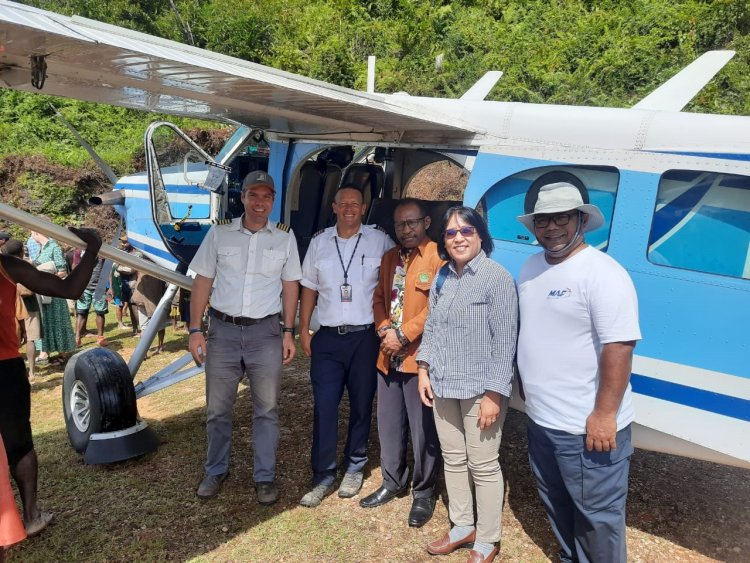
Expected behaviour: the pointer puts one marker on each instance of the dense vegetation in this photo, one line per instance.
(589, 52)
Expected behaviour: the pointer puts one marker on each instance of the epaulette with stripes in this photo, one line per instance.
(381, 229)
(320, 232)
(223, 221)
(282, 227)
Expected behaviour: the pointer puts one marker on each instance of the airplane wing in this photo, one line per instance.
(676, 92)
(83, 59)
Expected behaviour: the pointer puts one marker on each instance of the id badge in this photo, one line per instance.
(346, 293)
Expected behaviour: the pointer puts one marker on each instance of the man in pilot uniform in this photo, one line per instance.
(249, 262)
(340, 273)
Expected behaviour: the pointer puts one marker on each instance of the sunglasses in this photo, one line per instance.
(467, 231)
(541, 221)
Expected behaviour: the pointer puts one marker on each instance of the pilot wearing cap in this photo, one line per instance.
(340, 273)
(579, 326)
(244, 266)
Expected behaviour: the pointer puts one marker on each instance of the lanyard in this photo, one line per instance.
(341, 260)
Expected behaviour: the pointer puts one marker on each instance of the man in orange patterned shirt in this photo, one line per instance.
(400, 307)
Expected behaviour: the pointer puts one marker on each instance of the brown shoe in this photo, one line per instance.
(476, 557)
(443, 546)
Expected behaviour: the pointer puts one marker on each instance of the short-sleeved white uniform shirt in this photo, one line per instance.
(568, 312)
(323, 272)
(247, 268)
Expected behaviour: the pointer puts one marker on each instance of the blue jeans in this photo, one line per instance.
(583, 493)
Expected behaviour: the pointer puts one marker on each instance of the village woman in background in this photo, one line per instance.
(57, 331)
(465, 370)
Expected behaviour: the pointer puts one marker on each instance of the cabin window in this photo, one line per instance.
(702, 222)
(504, 202)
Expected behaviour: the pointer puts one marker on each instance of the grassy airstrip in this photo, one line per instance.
(146, 510)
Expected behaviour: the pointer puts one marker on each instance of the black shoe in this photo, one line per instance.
(421, 511)
(380, 497)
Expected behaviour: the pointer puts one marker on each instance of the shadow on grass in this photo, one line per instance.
(146, 509)
(701, 506)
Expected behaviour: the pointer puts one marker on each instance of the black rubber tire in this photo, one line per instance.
(111, 396)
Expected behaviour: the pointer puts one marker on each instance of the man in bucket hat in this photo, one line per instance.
(579, 325)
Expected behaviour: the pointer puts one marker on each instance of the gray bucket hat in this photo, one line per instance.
(557, 197)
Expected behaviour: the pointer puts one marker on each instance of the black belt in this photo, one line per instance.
(345, 329)
(240, 321)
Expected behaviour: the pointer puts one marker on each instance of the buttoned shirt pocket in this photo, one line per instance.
(423, 286)
(370, 269)
(273, 262)
(228, 259)
(329, 274)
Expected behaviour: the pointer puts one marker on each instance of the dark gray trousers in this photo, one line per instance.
(400, 411)
(232, 353)
(583, 492)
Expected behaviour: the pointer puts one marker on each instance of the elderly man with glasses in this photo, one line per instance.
(400, 308)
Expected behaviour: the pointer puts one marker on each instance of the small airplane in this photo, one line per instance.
(674, 188)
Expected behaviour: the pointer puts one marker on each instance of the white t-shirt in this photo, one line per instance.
(568, 311)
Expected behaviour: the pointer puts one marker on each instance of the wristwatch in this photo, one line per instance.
(289, 329)
(194, 330)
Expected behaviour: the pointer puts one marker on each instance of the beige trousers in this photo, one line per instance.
(470, 457)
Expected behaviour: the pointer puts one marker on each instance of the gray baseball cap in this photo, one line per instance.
(258, 178)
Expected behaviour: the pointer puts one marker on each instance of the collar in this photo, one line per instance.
(335, 232)
(236, 225)
(473, 265)
(420, 248)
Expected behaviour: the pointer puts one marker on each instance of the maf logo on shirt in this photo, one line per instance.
(560, 293)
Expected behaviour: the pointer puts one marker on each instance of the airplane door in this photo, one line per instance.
(185, 186)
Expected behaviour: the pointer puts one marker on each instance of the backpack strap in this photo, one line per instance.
(442, 274)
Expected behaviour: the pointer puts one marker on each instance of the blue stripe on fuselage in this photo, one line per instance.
(717, 155)
(701, 399)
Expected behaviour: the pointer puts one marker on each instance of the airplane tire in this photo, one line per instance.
(98, 396)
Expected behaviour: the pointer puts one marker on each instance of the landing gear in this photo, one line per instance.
(99, 405)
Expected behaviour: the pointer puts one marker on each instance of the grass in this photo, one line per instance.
(146, 510)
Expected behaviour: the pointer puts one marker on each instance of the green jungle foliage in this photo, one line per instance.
(607, 53)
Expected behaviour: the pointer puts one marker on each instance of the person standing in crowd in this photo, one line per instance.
(580, 307)
(148, 292)
(400, 307)
(33, 248)
(15, 391)
(32, 324)
(4, 237)
(340, 273)
(128, 278)
(465, 373)
(57, 331)
(249, 262)
(84, 304)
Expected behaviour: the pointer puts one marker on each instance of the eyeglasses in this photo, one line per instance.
(541, 221)
(410, 224)
(467, 231)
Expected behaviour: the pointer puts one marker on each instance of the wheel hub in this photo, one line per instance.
(80, 406)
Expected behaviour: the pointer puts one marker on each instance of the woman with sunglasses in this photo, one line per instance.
(465, 371)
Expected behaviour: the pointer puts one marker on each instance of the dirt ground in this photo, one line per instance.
(145, 509)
